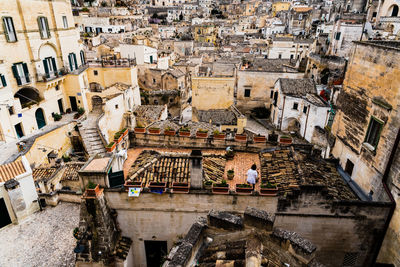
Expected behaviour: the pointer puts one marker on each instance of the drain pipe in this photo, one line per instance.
(385, 186)
(283, 110)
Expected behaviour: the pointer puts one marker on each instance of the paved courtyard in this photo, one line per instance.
(44, 239)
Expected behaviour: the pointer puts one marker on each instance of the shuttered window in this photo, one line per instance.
(43, 27)
(21, 73)
(50, 66)
(9, 29)
(73, 64)
(3, 82)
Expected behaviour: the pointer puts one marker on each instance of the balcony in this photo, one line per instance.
(48, 77)
(389, 19)
(112, 63)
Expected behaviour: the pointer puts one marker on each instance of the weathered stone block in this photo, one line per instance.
(259, 218)
(225, 220)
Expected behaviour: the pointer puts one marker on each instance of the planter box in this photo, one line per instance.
(287, 141)
(124, 133)
(154, 131)
(201, 135)
(259, 139)
(221, 190)
(140, 130)
(129, 184)
(184, 133)
(111, 148)
(180, 187)
(158, 185)
(207, 187)
(244, 190)
(93, 192)
(219, 136)
(117, 141)
(169, 133)
(268, 191)
(241, 137)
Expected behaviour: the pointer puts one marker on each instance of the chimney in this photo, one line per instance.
(196, 169)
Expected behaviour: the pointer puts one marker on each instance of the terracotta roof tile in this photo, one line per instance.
(11, 170)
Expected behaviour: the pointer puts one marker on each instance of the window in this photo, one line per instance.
(295, 105)
(349, 167)
(154, 80)
(3, 82)
(50, 67)
(291, 56)
(65, 22)
(272, 94)
(73, 64)
(11, 110)
(247, 92)
(305, 109)
(116, 106)
(44, 27)
(95, 73)
(280, 56)
(337, 37)
(57, 87)
(9, 29)
(374, 131)
(21, 73)
(83, 59)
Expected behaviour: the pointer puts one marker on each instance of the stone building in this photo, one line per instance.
(366, 127)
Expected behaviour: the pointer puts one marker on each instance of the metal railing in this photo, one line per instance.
(112, 63)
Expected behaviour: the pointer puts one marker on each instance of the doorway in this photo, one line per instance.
(156, 251)
(349, 167)
(4, 216)
(18, 130)
(60, 106)
(74, 105)
(41, 122)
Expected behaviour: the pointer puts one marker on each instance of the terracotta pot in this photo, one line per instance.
(158, 185)
(154, 131)
(129, 184)
(268, 191)
(125, 132)
(221, 190)
(112, 148)
(180, 187)
(230, 175)
(201, 134)
(244, 190)
(207, 187)
(140, 130)
(93, 192)
(169, 133)
(241, 137)
(259, 139)
(117, 141)
(287, 141)
(184, 133)
(219, 136)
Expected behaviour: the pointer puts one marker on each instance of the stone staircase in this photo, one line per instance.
(90, 136)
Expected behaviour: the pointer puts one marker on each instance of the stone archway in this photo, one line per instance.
(393, 11)
(291, 125)
(28, 96)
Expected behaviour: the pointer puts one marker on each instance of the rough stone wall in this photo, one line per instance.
(212, 93)
(373, 73)
(335, 227)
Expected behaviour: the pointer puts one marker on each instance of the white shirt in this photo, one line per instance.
(252, 176)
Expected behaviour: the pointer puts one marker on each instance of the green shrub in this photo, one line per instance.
(57, 116)
(91, 185)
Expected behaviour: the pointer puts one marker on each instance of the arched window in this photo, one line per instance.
(393, 11)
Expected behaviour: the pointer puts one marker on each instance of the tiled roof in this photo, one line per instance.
(11, 170)
(148, 114)
(44, 173)
(217, 116)
(214, 168)
(71, 171)
(297, 87)
(153, 166)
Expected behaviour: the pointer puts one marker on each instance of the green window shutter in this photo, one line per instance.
(46, 68)
(15, 32)
(40, 27)
(76, 62)
(26, 71)
(47, 27)
(5, 29)
(16, 75)
(3, 80)
(53, 60)
(70, 62)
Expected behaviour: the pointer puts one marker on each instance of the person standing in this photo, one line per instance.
(252, 175)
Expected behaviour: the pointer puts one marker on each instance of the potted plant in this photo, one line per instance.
(184, 131)
(157, 185)
(117, 137)
(241, 137)
(92, 189)
(139, 128)
(130, 183)
(169, 131)
(259, 139)
(180, 187)
(285, 139)
(221, 188)
(244, 189)
(230, 174)
(202, 133)
(124, 132)
(208, 184)
(57, 116)
(76, 233)
(154, 130)
(111, 146)
(218, 135)
(268, 189)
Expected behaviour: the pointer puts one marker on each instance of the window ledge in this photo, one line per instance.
(369, 147)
